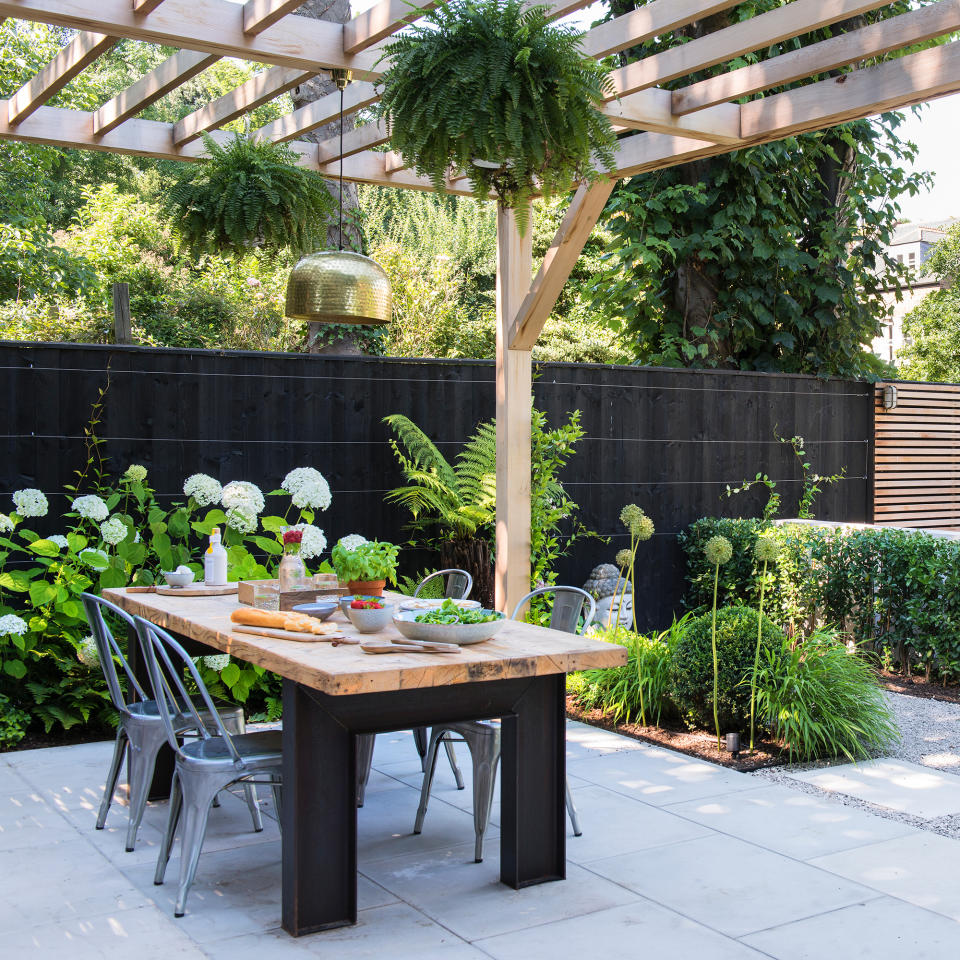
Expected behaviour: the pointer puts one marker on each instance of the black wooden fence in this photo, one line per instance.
(669, 440)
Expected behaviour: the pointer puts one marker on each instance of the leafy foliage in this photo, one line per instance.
(823, 700)
(373, 560)
(491, 80)
(249, 193)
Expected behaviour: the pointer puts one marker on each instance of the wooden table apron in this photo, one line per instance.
(319, 842)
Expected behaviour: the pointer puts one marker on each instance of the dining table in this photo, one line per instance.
(332, 693)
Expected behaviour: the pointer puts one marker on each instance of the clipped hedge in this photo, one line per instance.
(897, 590)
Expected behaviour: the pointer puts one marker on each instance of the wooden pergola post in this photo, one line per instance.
(514, 409)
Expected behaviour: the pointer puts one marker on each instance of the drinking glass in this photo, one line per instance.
(266, 596)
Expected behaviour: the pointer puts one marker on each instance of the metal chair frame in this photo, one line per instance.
(204, 766)
(483, 737)
(140, 730)
(455, 578)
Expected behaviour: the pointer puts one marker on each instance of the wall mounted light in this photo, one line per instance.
(889, 396)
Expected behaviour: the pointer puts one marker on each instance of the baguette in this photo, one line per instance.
(278, 620)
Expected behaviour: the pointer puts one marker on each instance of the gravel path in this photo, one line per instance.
(930, 731)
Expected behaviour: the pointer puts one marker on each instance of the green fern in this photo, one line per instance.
(249, 194)
(490, 80)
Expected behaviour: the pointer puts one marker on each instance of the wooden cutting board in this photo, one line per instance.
(194, 590)
(291, 635)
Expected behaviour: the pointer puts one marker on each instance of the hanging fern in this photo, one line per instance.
(489, 80)
(249, 194)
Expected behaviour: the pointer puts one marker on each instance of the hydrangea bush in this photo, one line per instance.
(113, 536)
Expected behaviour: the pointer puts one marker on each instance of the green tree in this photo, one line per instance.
(768, 258)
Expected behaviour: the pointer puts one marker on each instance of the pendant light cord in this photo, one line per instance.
(341, 167)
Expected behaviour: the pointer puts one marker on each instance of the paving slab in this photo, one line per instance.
(638, 929)
(27, 820)
(883, 929)
(896, 784)
(729, 885)
(795, 824)
(921, 869)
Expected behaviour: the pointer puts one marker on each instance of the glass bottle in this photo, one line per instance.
(293, 572)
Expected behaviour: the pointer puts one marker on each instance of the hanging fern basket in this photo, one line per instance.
(497, 91)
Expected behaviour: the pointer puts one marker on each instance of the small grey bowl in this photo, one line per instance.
(322, 609)
(350, 597)
(371, 620)
(175, 579)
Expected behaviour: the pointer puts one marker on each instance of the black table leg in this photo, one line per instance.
(319, 815)
(533, 770)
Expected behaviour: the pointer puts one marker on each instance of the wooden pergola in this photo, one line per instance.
(672, 126)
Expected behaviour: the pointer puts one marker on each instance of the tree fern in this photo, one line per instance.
(249, 194)
(490, 80)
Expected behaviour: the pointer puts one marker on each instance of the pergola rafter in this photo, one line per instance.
(699, 119)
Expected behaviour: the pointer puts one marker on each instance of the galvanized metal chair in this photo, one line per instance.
(483, 738)
(204, 766)
(139, 726)
(458, 586)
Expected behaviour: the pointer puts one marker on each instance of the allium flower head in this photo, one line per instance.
(351, 541)
(624, 557)
(87, 652)
(114, 531)
(30, 502)
(767, 549)
(203, 488)
(643, 528)
(136, 472)
(60, 540)
(11, 624)
(6, 524)
(630, 514)
(307, 488)
(216, 661)
(312, 541)
(242, 495)
(241, 520)
(91, 507)
(718, 551)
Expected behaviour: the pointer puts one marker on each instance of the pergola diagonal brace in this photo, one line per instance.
(581, 217)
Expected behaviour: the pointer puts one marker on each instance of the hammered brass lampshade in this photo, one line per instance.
(339, 286)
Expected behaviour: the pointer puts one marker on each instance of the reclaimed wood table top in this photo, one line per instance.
(518, 649)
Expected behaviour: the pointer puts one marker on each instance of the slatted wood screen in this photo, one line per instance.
(917, 456)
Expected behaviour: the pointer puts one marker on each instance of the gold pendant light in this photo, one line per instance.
(339, 286)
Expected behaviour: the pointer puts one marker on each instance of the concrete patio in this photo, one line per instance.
(679, 859)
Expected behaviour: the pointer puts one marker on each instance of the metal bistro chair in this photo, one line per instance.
(483, 737)
(204, 766)
(458, 586)
(139, 724)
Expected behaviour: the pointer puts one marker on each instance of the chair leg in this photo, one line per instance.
(173, 817)
(365, 742)
(196, 810)
(113, 774)
(452, 757)
(140, 767)
(430, 761)
(276, 785)
(485, 753)
(571, 809)
(250, 792)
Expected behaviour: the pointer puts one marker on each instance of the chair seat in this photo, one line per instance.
(264, 746)
(149, 708)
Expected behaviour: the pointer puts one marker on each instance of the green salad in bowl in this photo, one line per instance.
(449, 623)
(449, 612)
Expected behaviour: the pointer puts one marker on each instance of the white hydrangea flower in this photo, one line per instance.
(94, 558)
(136, 472)
(351, 541)
(91, 507)
(216, 661)
(313, 543)
(11, 624)
(203, 488)
(114, 531)
(60, 540)
(242, 495)
(30, 502)
(307, 488)
(87, 653)
(6, 524)
(241, 520)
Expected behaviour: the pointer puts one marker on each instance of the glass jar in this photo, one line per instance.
(293, 572)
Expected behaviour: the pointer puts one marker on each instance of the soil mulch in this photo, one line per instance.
(917, 686)
(64, 738)
(695, 743)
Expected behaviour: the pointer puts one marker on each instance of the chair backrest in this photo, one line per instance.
(167, 662)
(567, 607)
(458, 586)
(108, 650)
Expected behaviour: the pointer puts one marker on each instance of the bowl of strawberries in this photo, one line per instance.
(368, 614)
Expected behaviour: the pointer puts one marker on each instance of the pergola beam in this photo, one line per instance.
(76, 56)
(258, 15)
(652, 109)
(212, 26)
(354, 141)
(259, 89)
(791, 20)
(319, 113)
(160, 81)
(873, 40)
(578, 222)
(143, 7)
(381, 21)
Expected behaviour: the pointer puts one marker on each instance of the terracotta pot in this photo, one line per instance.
(367, 588)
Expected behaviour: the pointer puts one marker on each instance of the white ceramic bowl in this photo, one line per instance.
(321, 609)
(371, 619)
(462, 633)
(175, 579)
